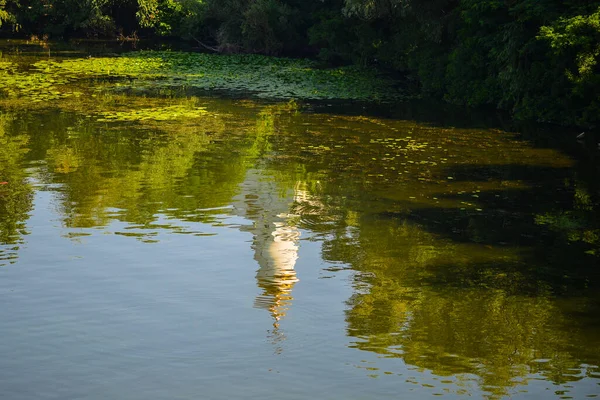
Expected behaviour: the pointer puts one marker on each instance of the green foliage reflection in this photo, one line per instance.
(16, 194)
(459, 269)
(464, 263)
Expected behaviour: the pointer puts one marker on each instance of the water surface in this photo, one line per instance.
(259, 251)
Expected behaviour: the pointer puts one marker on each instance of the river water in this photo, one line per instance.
(333, 251)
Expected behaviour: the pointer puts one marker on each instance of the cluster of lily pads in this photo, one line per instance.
(155, 114)
(128, 88)
(7, 65)
(32, 85)
(276, 78)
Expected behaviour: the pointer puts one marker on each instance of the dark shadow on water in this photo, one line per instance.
(527, 173)
(441, 114)
(553, 222)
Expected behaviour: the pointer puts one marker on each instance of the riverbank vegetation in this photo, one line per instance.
(537, 59)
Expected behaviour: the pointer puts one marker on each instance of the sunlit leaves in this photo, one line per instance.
(576, 43)
(579, 35)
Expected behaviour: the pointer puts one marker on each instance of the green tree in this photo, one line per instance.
(575, 44)
(7, 12)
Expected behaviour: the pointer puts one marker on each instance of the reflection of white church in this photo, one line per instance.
(275, 239)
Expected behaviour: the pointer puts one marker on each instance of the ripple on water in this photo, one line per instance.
(8, 255)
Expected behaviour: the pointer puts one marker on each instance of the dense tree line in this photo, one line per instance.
(537, 58)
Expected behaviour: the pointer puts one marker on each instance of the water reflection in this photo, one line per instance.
(459, 258)
(274, 241)
(474, 254)
(16, 194)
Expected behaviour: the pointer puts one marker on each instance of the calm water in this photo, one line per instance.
(266, 253)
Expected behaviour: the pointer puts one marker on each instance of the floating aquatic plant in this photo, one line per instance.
(34, 86)
(82, 83)
(7, 65)
(276, 78)
(156, 114)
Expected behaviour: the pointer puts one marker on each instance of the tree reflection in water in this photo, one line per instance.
(16, 195)
(473, 254)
